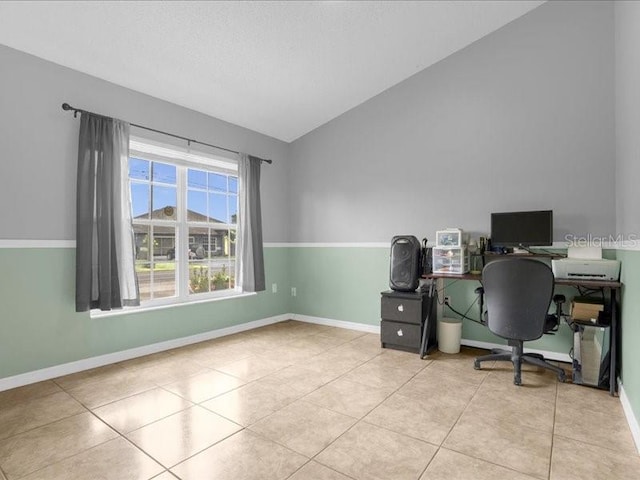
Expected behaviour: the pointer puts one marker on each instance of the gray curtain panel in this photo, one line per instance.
(105, 259)
(250, 268)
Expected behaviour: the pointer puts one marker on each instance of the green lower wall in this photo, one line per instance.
(39, 327)
(344, 283)
(630, 277)
(340, 283)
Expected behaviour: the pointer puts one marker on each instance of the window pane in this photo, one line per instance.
(143, 260)
(222, 268)
(217, 182)
(140, 200)
(164, 203)
(197, 179)
(138, 169)
(164, 173)
(163, 266)
(199, 281)
(233, 209)
(199, 246)
(233, 184)
(218, 208)
(196, 206)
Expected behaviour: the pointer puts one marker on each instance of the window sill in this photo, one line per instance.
(163, 306)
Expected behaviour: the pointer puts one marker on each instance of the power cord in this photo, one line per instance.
(464, 315)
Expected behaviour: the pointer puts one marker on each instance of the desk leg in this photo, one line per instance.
(614, 344)
(425, 328)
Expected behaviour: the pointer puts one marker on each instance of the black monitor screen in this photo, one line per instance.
(513, 229)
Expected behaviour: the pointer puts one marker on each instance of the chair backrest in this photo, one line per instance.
(518, 294)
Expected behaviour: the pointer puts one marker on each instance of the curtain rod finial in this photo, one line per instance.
(66, 106)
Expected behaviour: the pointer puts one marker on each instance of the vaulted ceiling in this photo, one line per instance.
(280, 68)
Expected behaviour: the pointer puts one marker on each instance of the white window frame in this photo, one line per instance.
(183, 159)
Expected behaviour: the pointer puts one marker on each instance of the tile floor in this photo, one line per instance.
(300, 401)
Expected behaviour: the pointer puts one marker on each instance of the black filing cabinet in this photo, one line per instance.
(403, 320)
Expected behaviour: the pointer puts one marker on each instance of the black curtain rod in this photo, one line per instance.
(67, 107)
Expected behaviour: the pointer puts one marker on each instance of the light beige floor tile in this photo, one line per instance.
(379, 375)
(201, 387)
(428, 419)
(2, 477)
(88, 376)
(595, 428)
(115, 459)
(586, 398)
(538, 384)
(303, 427)
(190, 431)
(438, 385)
(288, 354)
(217, 355)
(30, 451)
(459, 366)
(343, 333)
(349, 398)
(525, 411)
(169, 372)
(9, 398)
(449, 465)
(315, 344)
(329, 367)
(348, 351)
(410, 362)
(296, 377)
(141, 409)
(572, 460)
(253, 368)
(315, 471)
(112, 387)
(244, 456)
(370, 452)
(525, 450)
(165, 476)
(250, 403)
(155, 359)
(36, 412)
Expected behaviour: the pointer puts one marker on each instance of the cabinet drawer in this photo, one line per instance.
(401, 309)
(398, 333)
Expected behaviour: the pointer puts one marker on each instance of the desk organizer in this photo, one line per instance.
(450, 260)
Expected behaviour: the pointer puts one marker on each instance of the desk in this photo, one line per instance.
(608, 286)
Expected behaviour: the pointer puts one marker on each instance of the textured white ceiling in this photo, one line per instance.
(279, 68)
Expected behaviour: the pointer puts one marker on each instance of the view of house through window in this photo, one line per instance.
(184, 221)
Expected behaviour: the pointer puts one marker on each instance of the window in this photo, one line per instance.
(185, 214)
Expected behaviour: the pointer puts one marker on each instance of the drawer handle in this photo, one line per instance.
(400, 333)
(400, 308)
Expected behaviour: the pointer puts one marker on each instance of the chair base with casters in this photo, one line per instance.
(517, 357)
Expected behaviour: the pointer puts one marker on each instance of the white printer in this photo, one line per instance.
(586, 263)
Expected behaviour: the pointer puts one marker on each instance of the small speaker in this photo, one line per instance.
(404, 271)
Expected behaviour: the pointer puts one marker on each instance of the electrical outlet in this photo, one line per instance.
(293, 291)
(448, 301)
(274, 288)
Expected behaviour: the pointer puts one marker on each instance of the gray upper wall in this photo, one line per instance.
(627, 40)
(523, 119)
(38, 145)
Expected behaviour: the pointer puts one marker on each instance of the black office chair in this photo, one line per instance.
(518, 294)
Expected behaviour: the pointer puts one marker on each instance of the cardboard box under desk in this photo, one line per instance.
(585, 308)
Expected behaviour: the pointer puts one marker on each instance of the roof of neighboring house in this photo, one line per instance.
(168, 213)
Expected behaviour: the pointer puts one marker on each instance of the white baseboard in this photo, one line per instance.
(631, 418)
(558, 357)
(337, 323)
(109, 358)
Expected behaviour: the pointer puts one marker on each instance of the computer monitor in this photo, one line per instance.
(522, 229)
